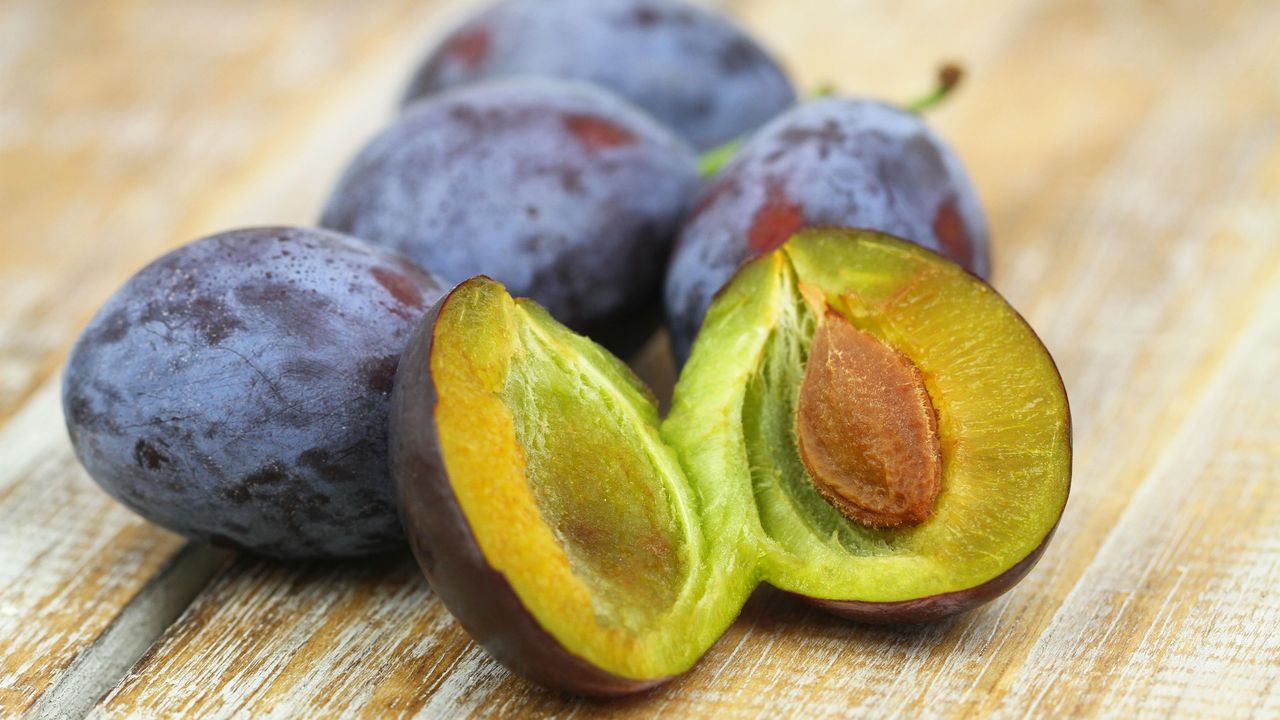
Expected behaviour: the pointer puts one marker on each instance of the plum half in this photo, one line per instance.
(861, 423)
(895, 434)
(544, 506)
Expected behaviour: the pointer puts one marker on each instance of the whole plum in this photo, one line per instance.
(834, 161)
(562, 191)
(690, 67)
(236, 390)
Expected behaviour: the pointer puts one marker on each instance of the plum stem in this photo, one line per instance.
(949, 76)
(711, 161)
(825, 90)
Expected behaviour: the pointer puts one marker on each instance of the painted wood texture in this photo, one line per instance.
(1129, 158)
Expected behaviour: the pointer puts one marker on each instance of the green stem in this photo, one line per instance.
(949, 76)
(824, 90)
(710, 162)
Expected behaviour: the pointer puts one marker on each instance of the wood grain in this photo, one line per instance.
(70, 557)
(1129, 157)
(128, 128)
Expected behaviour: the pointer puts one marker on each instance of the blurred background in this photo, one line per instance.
(127, 128)
(1128, 156)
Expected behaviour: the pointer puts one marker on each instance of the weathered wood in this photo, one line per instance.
(1177, 613)
(148, 614)
(1129, 155)
(126, 129)
(70, 557)
(1141, 255)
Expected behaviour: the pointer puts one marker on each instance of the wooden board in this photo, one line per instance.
(126, 129)
(1129, 158)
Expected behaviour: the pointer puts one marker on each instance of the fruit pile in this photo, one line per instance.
(858, 420)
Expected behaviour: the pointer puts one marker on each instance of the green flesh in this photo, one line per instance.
(608, 499)
(1002, 419)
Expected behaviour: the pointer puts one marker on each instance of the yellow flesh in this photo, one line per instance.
(570, 497)
(1001, 420)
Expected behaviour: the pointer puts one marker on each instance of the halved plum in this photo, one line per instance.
(543, 505)
(896, 435)
(861, 423)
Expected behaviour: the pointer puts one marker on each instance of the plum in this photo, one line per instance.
(901, 437)
(563, 191)
(861, 423)
(688, 66)
(833, 161)
(236, 390)
(543, 505)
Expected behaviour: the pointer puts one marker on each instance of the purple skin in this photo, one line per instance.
(237, 389)
(450, 556)
(687, 66)
(562, 191)
(836, 161)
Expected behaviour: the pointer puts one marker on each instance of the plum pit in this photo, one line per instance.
(866, 428)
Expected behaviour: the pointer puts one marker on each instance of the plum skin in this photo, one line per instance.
(236, 390)
(687, 66)
(446, 550)
(831, 162)
(562, 191)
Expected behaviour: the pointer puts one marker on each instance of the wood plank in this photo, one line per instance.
(1177, 614)
(70, 557)
(98, 667)
(287, 637)
(1130, 158)
(128, 128)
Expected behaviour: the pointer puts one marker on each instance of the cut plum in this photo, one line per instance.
(861, 423)
(1002, 426)
(543, 504)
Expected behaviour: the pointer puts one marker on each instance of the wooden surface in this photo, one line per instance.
(1129, 157)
